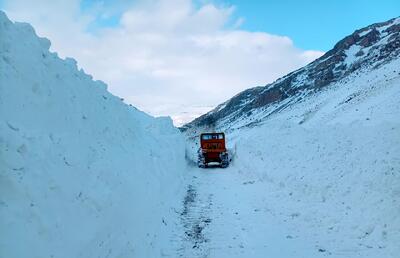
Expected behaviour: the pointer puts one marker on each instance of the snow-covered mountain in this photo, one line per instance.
(320, 149)
(81, 173)
(365, 50)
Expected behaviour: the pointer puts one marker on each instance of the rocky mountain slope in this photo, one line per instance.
(364, 50)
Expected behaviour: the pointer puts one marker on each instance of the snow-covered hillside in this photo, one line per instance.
(331, 165)
(323, 165)
(364, 50)
(81, 173)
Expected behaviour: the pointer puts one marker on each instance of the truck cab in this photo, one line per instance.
(212, 150)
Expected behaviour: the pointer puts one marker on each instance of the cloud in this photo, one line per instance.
(165, 57)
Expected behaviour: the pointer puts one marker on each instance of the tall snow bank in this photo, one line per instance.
(81, 173)
(331, 164)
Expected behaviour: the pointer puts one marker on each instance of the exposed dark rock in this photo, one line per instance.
(360, 53)
(370, 38)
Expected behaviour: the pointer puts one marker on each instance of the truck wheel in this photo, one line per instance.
(224, 165)
(224, 160)
(201, 161)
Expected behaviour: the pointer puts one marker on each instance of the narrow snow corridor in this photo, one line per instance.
(314, 157)
(224, 215)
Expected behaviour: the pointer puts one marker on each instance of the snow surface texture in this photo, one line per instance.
(324, 172)
(81, 173)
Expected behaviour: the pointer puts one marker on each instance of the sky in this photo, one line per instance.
(181, 58)
(314, 24)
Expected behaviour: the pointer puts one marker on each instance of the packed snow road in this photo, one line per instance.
(224, 215)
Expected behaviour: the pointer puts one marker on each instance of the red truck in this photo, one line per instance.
(212, 150)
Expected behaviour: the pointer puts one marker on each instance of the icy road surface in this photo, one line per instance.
(224, 215)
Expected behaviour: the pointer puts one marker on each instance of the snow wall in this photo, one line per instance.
(81, 173)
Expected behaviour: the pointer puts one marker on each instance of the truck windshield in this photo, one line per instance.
(217, 136)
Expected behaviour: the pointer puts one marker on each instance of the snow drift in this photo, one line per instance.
(81, 173)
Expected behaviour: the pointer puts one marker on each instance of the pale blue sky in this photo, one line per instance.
(314, 24)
